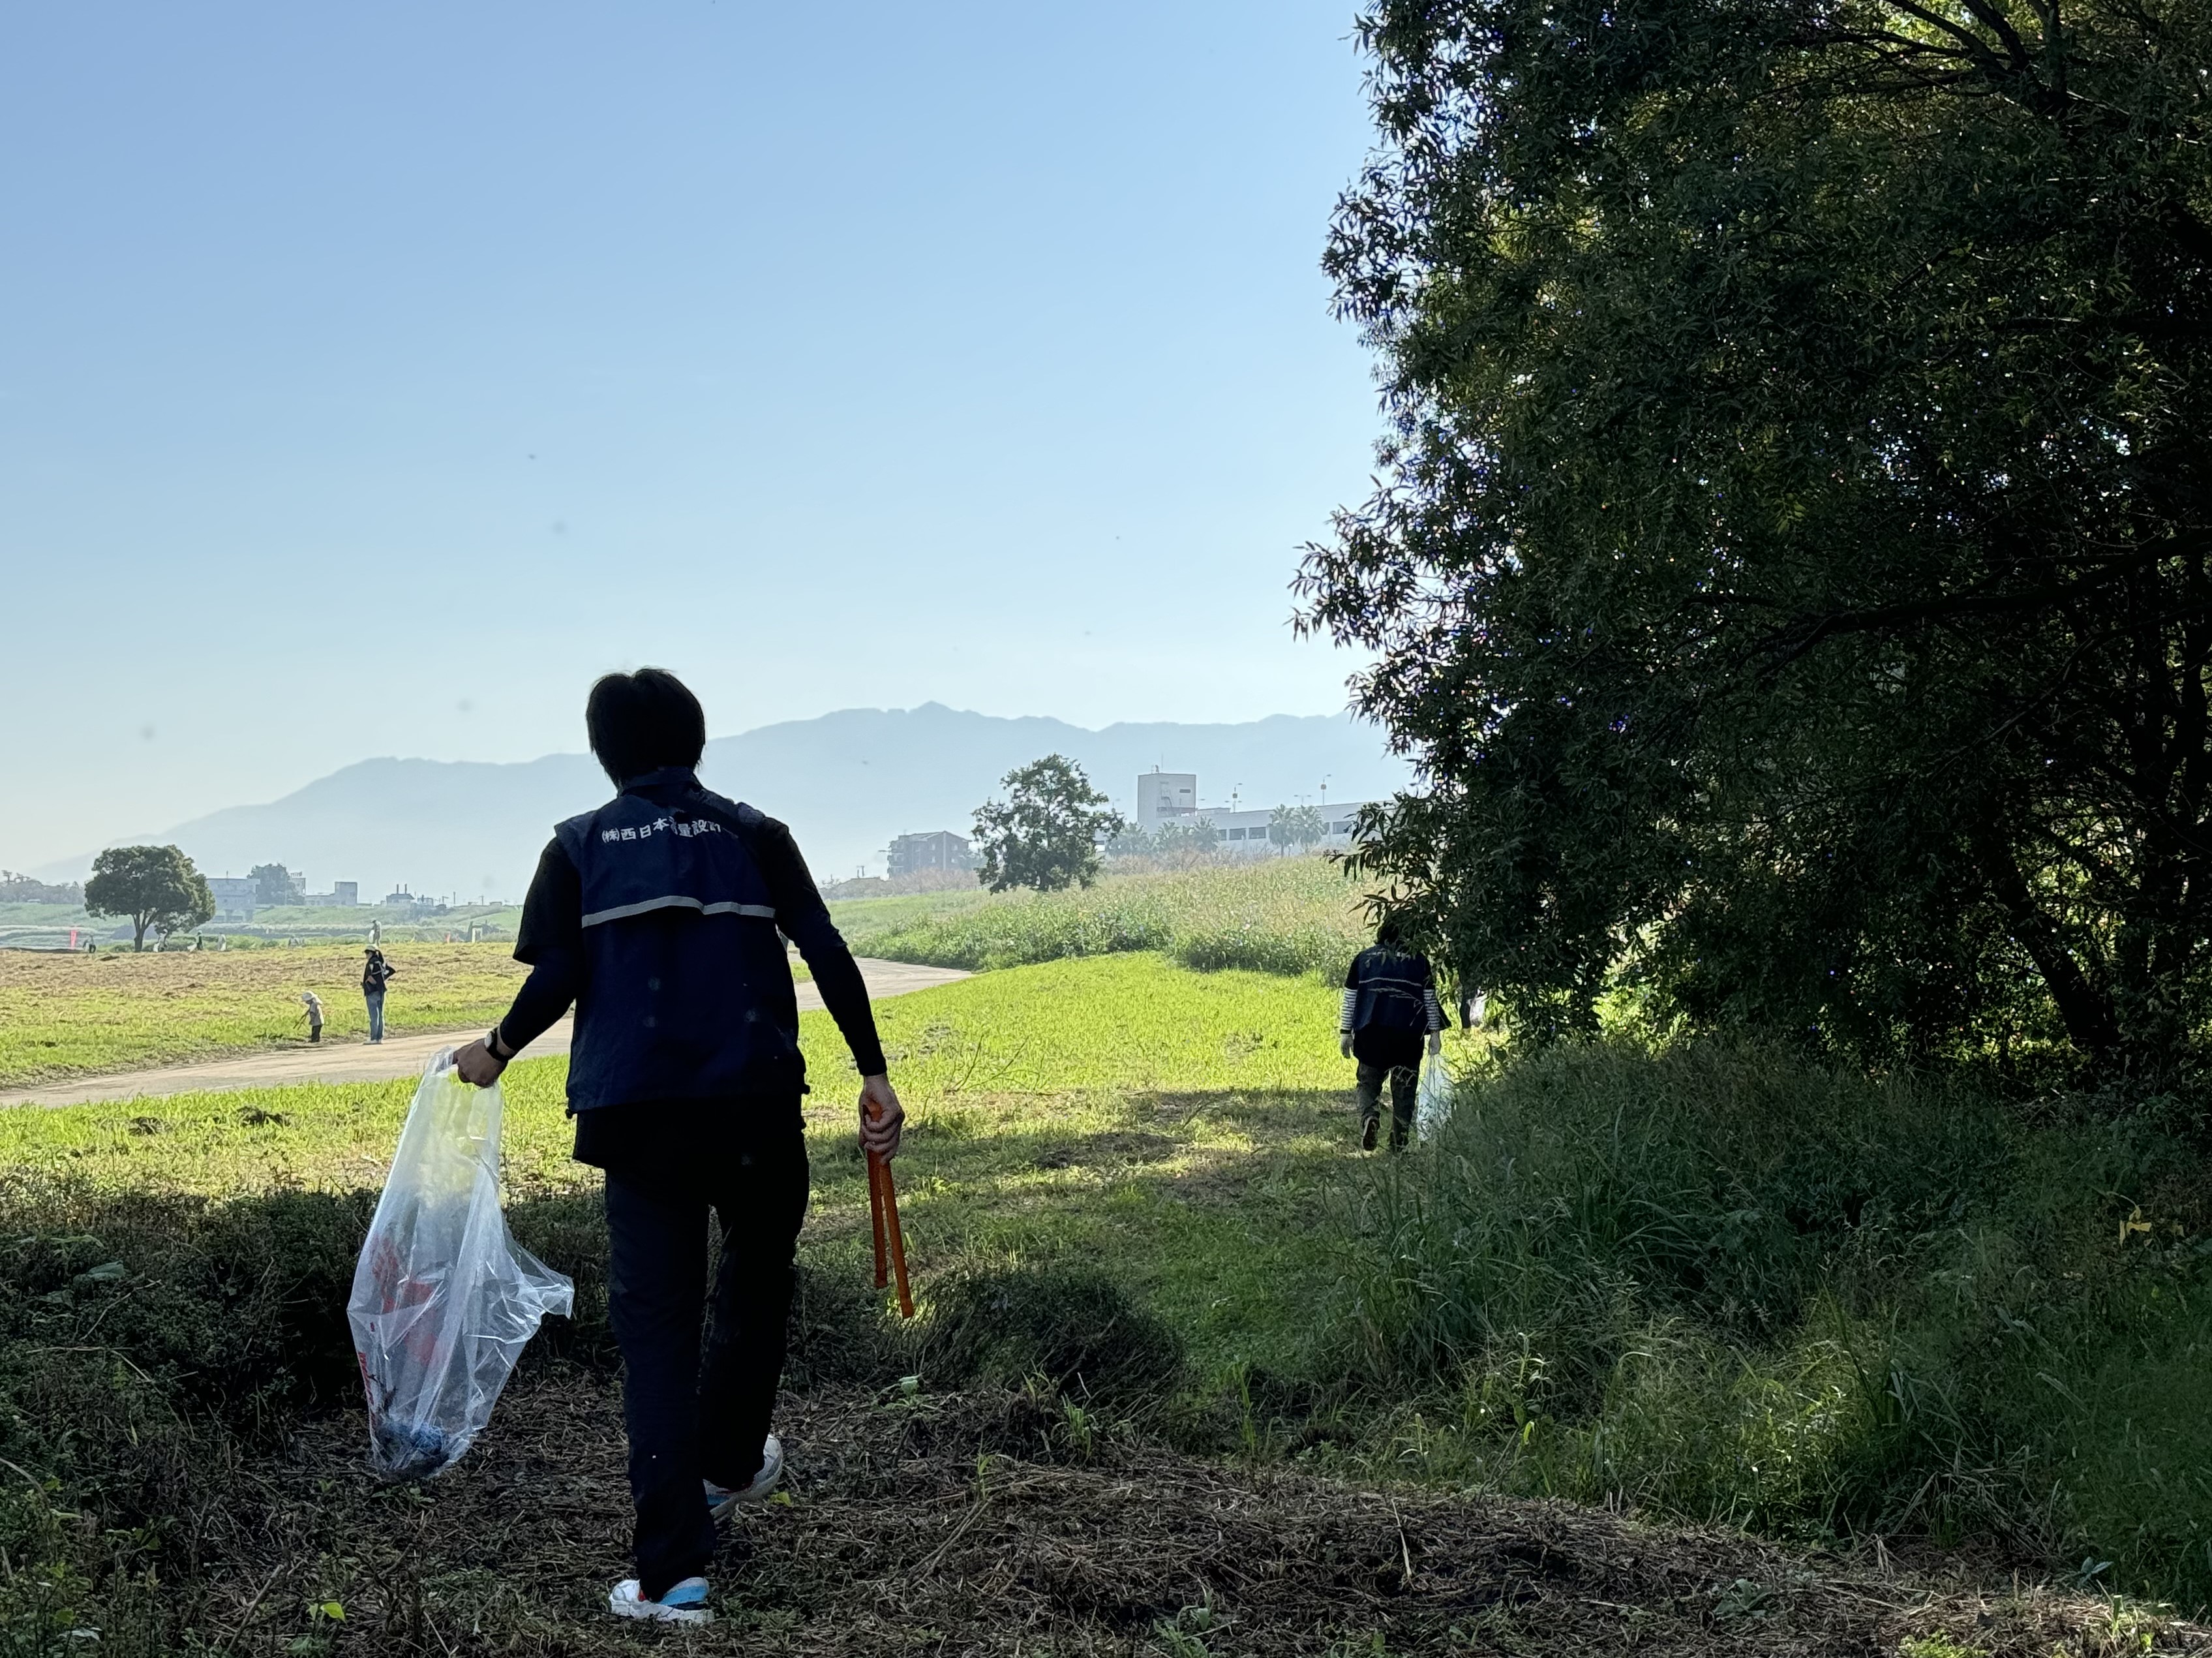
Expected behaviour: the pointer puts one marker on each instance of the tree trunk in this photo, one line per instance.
(2091, 1025)
(138, 925)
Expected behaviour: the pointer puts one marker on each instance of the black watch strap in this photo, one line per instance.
(492, 1045)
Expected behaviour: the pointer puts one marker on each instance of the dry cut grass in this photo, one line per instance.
(916, 1520)
(79, 1015)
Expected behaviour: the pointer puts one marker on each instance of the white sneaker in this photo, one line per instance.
(684, 1603)
(721, 1500)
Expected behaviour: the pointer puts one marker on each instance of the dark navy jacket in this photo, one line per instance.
(685, 992)
(1390, 1005)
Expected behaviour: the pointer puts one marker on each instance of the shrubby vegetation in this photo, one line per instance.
(1288, 915)
(1717, 1284)
(1791, 563)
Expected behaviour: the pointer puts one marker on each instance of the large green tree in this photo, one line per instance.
(272, 884)
(1789, 560)
(157, 886)
(1046, 833)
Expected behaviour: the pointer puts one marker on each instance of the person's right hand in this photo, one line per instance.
(478, 1066)
(882, 1117)
(1344, 1045)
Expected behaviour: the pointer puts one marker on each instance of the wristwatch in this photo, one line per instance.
(491, 1046)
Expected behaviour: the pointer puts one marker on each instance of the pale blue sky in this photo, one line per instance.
(371, 377)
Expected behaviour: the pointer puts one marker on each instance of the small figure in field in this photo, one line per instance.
(314, 1015)
(1389, 1007)
(375, 973)
(658, 916)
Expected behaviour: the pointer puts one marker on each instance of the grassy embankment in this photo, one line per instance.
(46, 926)
(1291, 915)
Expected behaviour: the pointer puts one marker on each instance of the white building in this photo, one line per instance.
(1166, 797)
(234, 896)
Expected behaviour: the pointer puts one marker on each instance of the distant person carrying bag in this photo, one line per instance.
(1390, 1007)
(375, 973)
(658, 916)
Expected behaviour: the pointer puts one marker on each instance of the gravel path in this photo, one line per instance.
(402, 1054)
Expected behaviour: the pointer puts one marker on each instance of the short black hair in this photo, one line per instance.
(1387, 934)
(641, 721)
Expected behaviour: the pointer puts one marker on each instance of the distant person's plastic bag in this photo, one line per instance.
(1434, 1101)
(442, 1300)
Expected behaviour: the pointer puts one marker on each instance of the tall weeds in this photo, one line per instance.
(1288, 915)
(1721, 1285)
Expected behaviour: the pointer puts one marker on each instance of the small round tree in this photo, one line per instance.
(157, 886)
(1045, 834)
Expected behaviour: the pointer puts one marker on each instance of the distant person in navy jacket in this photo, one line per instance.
(1390, 1008)
(657, 916)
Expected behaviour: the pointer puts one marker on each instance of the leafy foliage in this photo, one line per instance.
(272, 884)
(25, 889)
(1299, 826)
(1046, 833)
(1791, 563)
(157, 886)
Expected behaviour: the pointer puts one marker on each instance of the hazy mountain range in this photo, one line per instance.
(846, 782)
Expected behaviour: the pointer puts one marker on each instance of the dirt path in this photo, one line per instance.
(969, 1523)
(399, 1055)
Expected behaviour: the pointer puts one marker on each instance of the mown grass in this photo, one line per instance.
(1054, 1110)
(74, 1015)
(1287, 915)
(1123, 1146)
(1705, 1284)
(1721, 1286)
(64, 1015)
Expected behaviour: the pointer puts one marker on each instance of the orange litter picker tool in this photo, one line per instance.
(883, 1206)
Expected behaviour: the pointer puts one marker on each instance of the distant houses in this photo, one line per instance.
(237, 897)
(939, 848)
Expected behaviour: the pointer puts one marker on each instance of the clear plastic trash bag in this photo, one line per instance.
(1434, 1102)
(442, 1300)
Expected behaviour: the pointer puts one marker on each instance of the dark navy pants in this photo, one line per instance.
(692, 1415)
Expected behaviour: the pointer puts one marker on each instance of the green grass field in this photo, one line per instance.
(1133, 1209)
(76, 1016)
(1286, 915)
(1123, 1109)
(64, 1015)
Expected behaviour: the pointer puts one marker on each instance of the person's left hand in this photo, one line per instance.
(880, 1126)
(478, 1066)
(1436, 1043)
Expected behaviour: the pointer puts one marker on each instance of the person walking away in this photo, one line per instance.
(375, 973)
(658, 915)
(314, 1016)
(1389, 1006)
